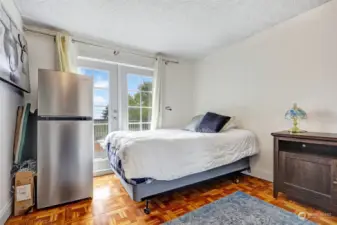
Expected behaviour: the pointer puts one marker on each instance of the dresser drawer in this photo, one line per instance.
(307, 147)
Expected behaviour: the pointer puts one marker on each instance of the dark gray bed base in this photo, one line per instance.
(144, 191)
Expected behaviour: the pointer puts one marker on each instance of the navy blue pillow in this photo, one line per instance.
(212, 123)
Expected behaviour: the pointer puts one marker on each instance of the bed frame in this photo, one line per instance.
(145, 191)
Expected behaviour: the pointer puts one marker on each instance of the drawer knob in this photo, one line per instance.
(304, 145)
(335, 182)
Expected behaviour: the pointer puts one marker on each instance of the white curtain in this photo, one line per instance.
(157, 94)
(66, 52)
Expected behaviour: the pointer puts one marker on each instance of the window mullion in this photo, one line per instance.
(141, 111)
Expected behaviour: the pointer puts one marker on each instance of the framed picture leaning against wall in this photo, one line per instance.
(14, 67)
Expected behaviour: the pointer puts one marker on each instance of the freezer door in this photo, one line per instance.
(64, 162)
(64, 94)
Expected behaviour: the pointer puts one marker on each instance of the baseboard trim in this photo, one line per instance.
(262, 174)
(102, 172)
(6, 212)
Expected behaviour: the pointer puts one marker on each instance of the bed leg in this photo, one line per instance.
(249, 170)
(236, 178)
(147, 210)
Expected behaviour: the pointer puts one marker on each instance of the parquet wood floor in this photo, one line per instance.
(112, 205)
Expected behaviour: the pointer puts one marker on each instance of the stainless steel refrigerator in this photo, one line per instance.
(65, 138)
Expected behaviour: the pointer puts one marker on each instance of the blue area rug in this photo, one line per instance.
(239, 208)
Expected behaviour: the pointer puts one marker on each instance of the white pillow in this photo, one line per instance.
(194, 124)
(231, 124)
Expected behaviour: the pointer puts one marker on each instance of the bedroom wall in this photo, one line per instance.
(10, 99)
(258, 79)
(42, 55)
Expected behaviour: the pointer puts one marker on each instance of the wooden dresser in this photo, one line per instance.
(305, 168)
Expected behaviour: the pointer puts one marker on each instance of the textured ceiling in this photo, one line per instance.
(180, 28)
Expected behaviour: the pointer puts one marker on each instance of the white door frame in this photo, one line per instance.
(101, 165)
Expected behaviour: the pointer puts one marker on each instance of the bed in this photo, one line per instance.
(153, 162)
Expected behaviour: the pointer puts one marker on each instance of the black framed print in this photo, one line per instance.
(14, 67)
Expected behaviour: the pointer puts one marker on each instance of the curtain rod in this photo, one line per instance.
(97, 45)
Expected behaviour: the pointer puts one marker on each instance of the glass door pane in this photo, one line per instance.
(136, 98)
(105, 107)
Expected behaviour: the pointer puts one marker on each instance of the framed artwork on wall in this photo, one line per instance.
(14, 67)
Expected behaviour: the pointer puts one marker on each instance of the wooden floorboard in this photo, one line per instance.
(112, 205)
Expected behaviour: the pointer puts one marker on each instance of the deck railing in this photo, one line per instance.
(101, 128)
(139, 126)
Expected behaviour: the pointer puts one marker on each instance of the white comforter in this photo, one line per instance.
(171, 154)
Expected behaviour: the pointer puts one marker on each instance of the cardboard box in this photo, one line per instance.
(24, 193)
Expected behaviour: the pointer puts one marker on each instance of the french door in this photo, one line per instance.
(105, 107)
(122, 101)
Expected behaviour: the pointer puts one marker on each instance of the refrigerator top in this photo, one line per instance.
(64, 95)
(64, 118)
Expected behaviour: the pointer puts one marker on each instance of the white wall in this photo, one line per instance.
(258, 79)
(10, 99)
(42, 55)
